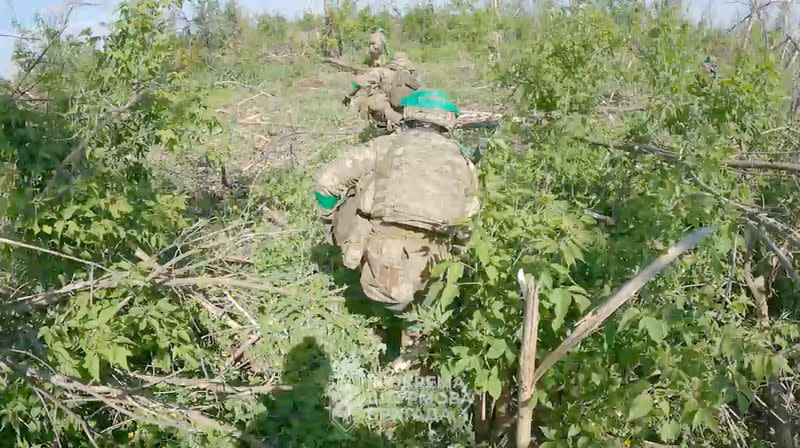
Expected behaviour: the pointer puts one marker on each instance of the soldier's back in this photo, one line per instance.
(422, 180)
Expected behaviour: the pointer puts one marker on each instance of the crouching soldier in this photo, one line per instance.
(395, 204)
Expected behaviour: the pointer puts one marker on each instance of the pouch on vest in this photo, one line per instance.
(404, 83)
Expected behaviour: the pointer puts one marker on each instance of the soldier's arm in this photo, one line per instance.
(356, 87)
(338, 176)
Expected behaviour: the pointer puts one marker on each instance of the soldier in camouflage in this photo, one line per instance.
(394, 204)
(385, 87)
(377, 48)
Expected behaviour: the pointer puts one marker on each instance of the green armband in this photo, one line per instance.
(354, 85)
(326, 202)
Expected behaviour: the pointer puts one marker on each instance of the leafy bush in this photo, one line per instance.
(688, 353)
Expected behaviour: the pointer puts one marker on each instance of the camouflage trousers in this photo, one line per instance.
(395, 262)
(377, 107)
(377, 59)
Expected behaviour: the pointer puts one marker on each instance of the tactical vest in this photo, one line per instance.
(404, 82)
(422, 181)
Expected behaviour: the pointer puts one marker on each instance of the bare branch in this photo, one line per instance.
(527, 360)
(68, 411)
(213, 386)
(135, 406)
(51, 252)
(785, 262)
(600, 314)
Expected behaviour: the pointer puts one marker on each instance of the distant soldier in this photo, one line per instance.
(377, 48)
(385, 87)
(395, 205)
(710, 66)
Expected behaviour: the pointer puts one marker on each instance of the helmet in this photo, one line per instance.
(430, 106)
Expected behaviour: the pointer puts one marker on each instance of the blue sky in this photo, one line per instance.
(718, 12)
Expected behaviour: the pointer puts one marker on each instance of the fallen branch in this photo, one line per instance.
(762, 164)
(474, 119)
(226, 282)
(81, 422)
(785, 262)
(213, 386)
(589, 323)
(135, 406)
(248, 86)
(342, 66)
(51, 252)
(644, 148)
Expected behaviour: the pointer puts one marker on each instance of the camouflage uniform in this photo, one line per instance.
(404, 195)
(377, 49)
(375, 104)
(386, 86)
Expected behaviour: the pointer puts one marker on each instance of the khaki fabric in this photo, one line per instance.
(421, 179)
(376, 78)
(443, 118)
(377, 49)
(411, 190)
(397, 264)
(378, 107)
(350, 231)
(405, 79)
(385, 88)
(337, 177)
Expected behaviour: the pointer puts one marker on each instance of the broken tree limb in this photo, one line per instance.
(785, 261)
(51, 252)
(138, 407)
(475, 119)
(589, 323)
(31, 303)
(763, 164)
(213, 386)
(344, 66)
(527, 359)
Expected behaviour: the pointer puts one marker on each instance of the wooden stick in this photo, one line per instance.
(527, 362)
(51, 252)
(784, 260)
(590, 322)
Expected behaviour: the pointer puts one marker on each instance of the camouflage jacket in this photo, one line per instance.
(395, 76)
(416, 177)
(375, 79)
(377, 43)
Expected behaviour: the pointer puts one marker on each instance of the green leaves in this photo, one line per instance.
(497, 348)
(656, 329)
(640, 407)
(562, 299)
(669, 430)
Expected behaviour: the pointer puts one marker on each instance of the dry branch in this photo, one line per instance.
(135, 406)
(343, 66)
(785, 262)
(645, 148)
(527, 360)
(213, 386)
(596, 317)
(82, 423)
(473, 119)
(50, 252)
